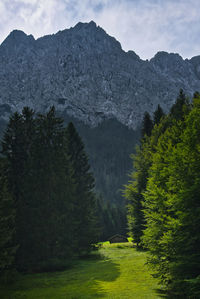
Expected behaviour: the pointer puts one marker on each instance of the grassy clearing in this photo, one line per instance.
(115, 271)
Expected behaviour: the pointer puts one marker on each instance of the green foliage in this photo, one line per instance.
(84, 205)
(165, 187)
(137, 185)
(147, 125)
(109, 166)
(181, 107)
(133, 194)
(158, 114)
(171, 202)
(51, 190)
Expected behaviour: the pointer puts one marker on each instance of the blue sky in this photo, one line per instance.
(144, 26)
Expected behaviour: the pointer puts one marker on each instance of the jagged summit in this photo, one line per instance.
(17, 34)
(162, 54)
(165, 57)
(17, 37)
(133, 55)
(89, 25)
(85, 73)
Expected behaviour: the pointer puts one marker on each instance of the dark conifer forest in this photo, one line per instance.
(47, 199)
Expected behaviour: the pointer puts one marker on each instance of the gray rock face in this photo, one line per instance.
(85, 74)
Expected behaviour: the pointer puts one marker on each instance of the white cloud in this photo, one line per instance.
(150, 26)
(145, 26)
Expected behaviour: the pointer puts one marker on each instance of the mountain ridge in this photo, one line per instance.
(86, 74)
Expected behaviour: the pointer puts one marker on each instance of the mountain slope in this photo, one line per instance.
(85, 74)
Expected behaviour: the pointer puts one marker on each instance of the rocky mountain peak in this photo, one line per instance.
(16, 41)
(17, 37)
(85, 73)
(166, 60)
(91, 34)
(86, 26)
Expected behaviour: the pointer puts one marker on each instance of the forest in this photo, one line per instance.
(45, 176)
(163, 196)
(50, 214)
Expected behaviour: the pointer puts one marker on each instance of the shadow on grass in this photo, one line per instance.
(83, 281)
(104, 270)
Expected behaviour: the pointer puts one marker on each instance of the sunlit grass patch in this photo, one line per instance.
(114, 271)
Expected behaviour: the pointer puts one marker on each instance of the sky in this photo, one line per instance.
(144, 26)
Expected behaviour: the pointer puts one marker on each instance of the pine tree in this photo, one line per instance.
(137, 185)
(134, 195)
(147, 125)
(85, 231)
(158, 114)
(181, 107)
(134, 189)
(52, 192)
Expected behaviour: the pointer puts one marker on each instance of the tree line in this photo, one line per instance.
(163, 196)
(47, 201)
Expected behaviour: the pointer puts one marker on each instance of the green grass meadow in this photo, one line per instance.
(114, 271)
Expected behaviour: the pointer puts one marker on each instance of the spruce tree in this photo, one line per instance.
(85, 229)
(134, 195)
(52, 192)
(137, 185)
(147, 125)
(181, 107)
(157, 116)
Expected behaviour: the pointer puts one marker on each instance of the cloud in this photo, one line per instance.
(145, 26)
(149, 26)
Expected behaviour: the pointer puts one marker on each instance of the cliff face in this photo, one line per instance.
(86, 75)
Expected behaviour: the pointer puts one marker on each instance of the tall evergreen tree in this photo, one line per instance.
(134, 194)
(137, 185)
(181, 107)
(147, 125)
(157, 116)
(51, 192)
(85, 232)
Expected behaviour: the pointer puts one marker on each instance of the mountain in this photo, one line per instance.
(87, 76)
(85, 73)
